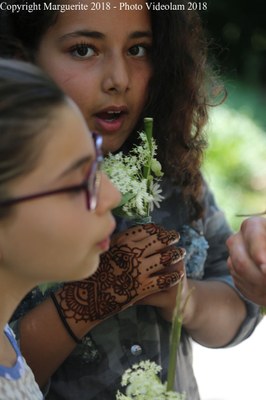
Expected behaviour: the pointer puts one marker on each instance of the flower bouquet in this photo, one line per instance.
(137, 175)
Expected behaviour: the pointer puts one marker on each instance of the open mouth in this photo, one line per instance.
(110, 116)
(111, 119)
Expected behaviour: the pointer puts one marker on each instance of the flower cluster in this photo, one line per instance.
(137, 176)
(142, 383)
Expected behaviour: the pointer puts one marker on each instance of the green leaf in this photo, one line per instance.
(125, 199)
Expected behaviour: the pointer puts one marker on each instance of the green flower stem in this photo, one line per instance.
(148, 128)
(176, 335)
(174, 340)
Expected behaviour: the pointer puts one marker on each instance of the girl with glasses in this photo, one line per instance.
(55, 215)
(121, 63)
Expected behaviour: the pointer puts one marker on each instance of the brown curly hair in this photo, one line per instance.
(182, 89)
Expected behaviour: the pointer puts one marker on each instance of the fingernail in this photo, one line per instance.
(172, 256)
(166, 281)
(151, 228)
(168, 237)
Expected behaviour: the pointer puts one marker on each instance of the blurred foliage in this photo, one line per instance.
(247, 99)
(235, 165)
(237, 33)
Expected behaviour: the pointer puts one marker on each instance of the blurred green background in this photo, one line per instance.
(235, 164)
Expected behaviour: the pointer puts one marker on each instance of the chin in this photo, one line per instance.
(95, 267)
(111, 144)
(91, 268)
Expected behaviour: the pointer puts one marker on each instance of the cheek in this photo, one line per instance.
(58, 247)
(83, 92)
(142, 81)
(71, 81)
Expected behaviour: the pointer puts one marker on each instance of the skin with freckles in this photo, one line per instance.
(247, 260)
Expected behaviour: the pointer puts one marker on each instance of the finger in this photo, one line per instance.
(155, 244)
(140, 232)
(240, 261)
(247, 271)
(250, 275)
(253, 288)
(160, 282)
(164, 236)
(254, 235)
(165, 259)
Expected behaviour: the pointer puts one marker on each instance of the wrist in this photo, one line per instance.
(76, 328)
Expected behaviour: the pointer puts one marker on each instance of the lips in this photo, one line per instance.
(111, 119)
(104, 244)
(109, 116)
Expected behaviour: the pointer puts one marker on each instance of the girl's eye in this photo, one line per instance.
(82, 51)
(138, 50)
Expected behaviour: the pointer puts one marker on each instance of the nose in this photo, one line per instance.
(116, 77)
(109, 196)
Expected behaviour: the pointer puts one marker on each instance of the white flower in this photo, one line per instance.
(142, 383)
(136, 176)
(156, 195)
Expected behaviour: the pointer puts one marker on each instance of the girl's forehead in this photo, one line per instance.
(101, 15)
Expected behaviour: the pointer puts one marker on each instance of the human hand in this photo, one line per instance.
(247, 260)
(165, 300)
(139, 262)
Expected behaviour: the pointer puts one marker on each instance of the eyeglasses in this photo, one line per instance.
(90, 185)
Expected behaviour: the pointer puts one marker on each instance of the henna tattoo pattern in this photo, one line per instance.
(117, 281)
(166, 281)
(164, 236)
(172, 256)
(107, 290)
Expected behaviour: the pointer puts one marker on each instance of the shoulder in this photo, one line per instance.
(17, 382)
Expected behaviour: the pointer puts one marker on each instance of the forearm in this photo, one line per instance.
(214, 313)
(44, 341)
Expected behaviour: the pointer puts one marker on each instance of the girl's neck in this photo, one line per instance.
(12, 290)
(8, 355)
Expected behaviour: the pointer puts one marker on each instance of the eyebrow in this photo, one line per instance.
(140, 34)
(100, 35)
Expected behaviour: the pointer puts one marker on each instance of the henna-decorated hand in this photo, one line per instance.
(165, 300)
(141, 261)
